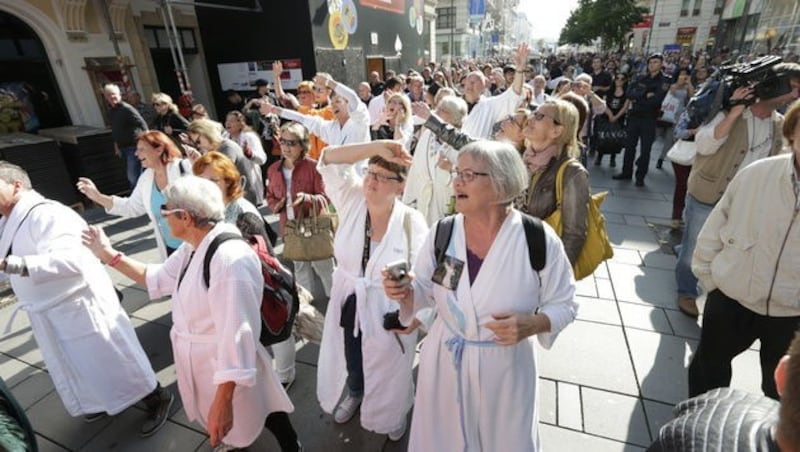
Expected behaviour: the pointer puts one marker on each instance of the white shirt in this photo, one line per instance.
(759, 136)
(287, 176)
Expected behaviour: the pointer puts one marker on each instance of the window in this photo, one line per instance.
(445, 18)
(684, 8)
(697, 7)
(157, 38)
(718, 5)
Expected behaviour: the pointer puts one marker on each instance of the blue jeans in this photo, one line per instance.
(133, 166)
(694, 215)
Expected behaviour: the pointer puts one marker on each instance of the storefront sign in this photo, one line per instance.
(685, 36)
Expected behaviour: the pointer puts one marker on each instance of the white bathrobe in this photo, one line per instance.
(215, 334)
(497, 385)
(488, 112)
(428, 188)
(388, 386)
(86, 338)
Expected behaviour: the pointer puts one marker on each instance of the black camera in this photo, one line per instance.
(391, 321)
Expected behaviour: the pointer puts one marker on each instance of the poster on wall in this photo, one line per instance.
(395, 6)
(242, 76)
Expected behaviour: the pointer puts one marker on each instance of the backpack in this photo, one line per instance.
(279, 298)
(534, 236)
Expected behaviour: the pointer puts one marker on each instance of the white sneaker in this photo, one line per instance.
(397, 434)
(346, 409)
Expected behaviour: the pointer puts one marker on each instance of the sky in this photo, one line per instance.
(547, 16)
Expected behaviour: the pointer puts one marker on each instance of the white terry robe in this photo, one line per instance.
(388, 385)
(498, 383)
(428, 188)
(489, 111)
(88, 344)
(215, 333)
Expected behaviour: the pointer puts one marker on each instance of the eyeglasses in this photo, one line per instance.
(320, 89)
(285, 142)
(303, 91)
(466, 176)
(511, 119)
(539, 116)
(165, 211)
(381, 178)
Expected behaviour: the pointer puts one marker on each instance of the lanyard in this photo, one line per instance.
(367, 241)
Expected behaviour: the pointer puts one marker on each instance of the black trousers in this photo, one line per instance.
(643, 129)
(279, 424)
(729, 329)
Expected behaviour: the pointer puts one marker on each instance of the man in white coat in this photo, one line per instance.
(86, 338)
(485, 112)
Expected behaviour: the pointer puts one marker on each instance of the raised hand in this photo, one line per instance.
(421, 110)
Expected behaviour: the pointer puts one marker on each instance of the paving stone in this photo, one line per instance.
(605, 289)
(615, 218)
(547, 401)
(658, 414)
(45, 445)
(658, 259)
(586, 287)
(633, 237)
(598, 310)
(644, 318)
(51, 420)
(559, 439)
(614, 416)
(33, 389)
(651, 286)
(569, 406)
(661, 361)
(637, 206)
(635, 220)
(682, 324)
(13, 371)
(575, 354)
(156, 311)
(626, 256)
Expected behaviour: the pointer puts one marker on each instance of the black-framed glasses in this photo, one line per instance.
(285, 142)
(166, 211)
(537, 115)
(512, 119)
(382, 178)
(466, 176)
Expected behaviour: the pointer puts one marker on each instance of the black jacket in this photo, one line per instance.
(643, 106)
(721, 419)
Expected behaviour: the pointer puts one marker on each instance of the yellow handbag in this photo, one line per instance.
(597, 248)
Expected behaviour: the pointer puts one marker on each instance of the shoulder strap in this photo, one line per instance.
(19, 225)
(560, 181)
(212, 248)
(444, 230)
(537, 247)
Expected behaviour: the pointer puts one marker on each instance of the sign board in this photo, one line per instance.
(395, 6)
(672, 47)
(477, 9)
(647, 21)
(242, 76)
(685, 36)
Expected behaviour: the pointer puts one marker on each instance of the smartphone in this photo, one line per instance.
(397, 270)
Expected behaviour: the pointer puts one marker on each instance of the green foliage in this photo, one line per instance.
(610, 20)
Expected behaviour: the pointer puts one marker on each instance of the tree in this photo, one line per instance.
(610, 20)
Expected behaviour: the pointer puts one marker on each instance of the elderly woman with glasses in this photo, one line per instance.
(224, 374)
(162, 162)
(395, 122)
(363, 352)
(295, 187)
(168, 119)
(477, 380)
(551, 132)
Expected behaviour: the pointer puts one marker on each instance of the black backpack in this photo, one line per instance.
(279, 299)
(534, 235)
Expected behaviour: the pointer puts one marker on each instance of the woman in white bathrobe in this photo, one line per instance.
(374, 363)
(477, 381)
(162, 163)
(225, 378)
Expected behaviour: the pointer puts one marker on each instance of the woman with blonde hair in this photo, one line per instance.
(168, 119)
(395, 122)
(162, 165)
(244, 135)
(551, 134)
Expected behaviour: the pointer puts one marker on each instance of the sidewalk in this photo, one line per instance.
(608, 383)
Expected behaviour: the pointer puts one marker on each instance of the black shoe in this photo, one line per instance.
(640, 182)
(613, 163)
(622, 177)
(659, 163)
(89, 418)
(158, 417)
(598, 160)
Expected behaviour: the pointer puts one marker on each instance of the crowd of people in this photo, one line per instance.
(436, 178)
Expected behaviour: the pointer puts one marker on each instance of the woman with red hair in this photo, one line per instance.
(162, 164)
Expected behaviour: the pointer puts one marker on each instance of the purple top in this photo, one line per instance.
(473, 265)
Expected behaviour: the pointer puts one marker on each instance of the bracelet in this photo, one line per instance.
(115, 260)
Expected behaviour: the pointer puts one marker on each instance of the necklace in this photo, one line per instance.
(768, 139)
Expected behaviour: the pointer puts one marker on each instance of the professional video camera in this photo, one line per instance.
(716, 92)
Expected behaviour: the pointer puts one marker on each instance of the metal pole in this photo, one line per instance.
(652, 26)
(172, 43)
(452, 28)
(126, 84)
(188, 86)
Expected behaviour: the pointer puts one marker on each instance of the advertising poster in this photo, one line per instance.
(242, 76)
(395, 6)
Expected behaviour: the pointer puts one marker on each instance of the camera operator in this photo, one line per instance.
(731, 141)
(645, 95)
(747, 257)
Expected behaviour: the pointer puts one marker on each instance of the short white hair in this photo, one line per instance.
(200, 197)
(112, 87)
(584, 78)
(506, 170)
(455, 106)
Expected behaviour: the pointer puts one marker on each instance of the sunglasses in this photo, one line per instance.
(165, 211)
(539, 116)
(285, 142)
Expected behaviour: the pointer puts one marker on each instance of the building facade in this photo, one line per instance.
(677, 24)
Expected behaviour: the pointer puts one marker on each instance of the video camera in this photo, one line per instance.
(715, 93)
